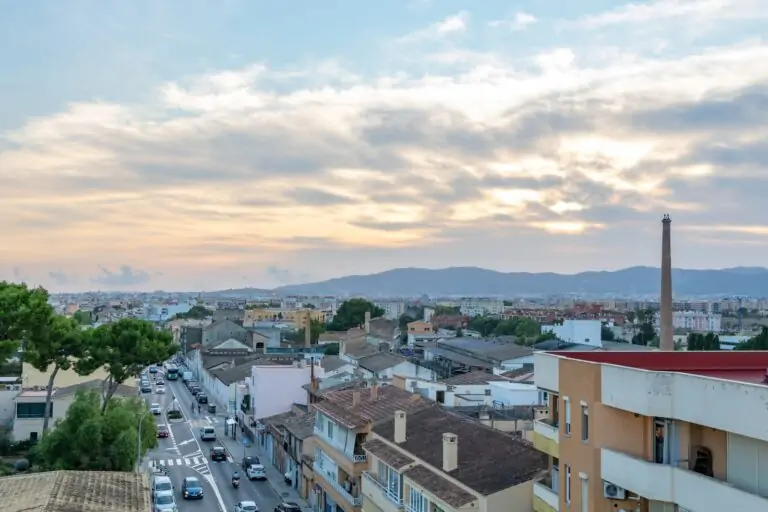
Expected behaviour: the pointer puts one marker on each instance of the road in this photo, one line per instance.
(184, 454)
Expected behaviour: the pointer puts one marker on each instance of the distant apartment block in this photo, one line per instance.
(653, 431)
(475, 306)
(393, 309)
(694, 321)
(584, 332)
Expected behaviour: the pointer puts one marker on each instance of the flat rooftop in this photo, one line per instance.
(744, 366)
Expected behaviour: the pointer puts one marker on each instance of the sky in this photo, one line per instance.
(175, 145)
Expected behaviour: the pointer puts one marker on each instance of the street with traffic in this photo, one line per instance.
(184, 454)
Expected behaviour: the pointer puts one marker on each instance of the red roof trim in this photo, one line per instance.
(677, 361)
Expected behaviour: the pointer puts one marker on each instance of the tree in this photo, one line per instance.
(89, 440)
(645, 335)
(82, 317)
(403, 321)
(447, 310)
(759, 342)
(24, 313)
(606, 333)
(315, 330)
(332, 349)
(698, 341)
(60, 346)
(196, 312)
(124, 348)
(351, 313)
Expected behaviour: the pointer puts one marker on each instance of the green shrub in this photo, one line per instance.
(174, 415)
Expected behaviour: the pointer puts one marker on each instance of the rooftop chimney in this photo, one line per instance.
(450, 452)
(666, 340)
(367, 322)
(356, 395)
(374, 391)
(308, 330)
(399, 427)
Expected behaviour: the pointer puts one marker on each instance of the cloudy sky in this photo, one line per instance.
(174, 145)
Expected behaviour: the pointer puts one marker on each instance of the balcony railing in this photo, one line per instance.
(547, 429)
(357, 458)
(542, 489)
(396, 500)
(355, 501)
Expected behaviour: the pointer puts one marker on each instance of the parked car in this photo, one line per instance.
(218, 454)
(246, 506)
(256, 472)
(162, 431)
(191, 488)
(156, 409)
(288, 506)
(202, 398)
(249, 461)
(195, 390)
(164, 502)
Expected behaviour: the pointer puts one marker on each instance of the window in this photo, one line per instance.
(487, 392)
(31, 410)
(584, 422)
(584, 493)
(568, 483)
(390, 480)
(418, 502)
(567, 416)
(329, 426)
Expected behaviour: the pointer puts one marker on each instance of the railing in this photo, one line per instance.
(355, 501)
(396, 500)
(357, 458)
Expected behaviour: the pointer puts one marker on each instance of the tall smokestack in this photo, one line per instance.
(666, 340)
(307, 329)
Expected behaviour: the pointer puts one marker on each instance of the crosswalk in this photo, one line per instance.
(194, 462)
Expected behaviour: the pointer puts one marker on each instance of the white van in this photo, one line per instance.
(161, 485)
(208, 434)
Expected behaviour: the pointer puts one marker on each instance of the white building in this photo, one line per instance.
(393, 309)
(585, 332)
(474, 389)
(273, 389)
(694, 321)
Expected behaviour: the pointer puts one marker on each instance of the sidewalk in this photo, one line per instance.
(236, 450)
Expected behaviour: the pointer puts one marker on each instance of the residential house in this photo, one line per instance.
(290, 380)
(420, 332)
(299, 445)
(420, 327)
(58, 491)
(30, 407)
(334, 365)
(235, 315)
(436, 460)
(385, 365)
(331, 337)
(298, 317)
(653, 431)
(222, 331)
(344, 418)
(32, 378)
(460, 355)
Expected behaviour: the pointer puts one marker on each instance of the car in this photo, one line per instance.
(218, 454)
(162, 431)
(164, 502)
(159, 365)
(153, 369)
(246, 506)
(191, 489)
(249, 461)
(161, 485)
(207, 434)
(256, 472)
(202, 398)
(159, 382)
(160, 390)
(190, 383)
(146, 389)
(156, 409)
(195, 390)
(288, 506)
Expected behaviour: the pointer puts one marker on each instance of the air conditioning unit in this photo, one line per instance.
(614, 492)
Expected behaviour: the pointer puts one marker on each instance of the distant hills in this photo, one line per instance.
(472, 281)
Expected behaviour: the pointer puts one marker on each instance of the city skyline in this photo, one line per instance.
(176, 147)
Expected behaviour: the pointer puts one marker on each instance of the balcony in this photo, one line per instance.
(545, 499)
(381, 496)
(673, 484)
(355, 501)
(546, 437)
(356, 458)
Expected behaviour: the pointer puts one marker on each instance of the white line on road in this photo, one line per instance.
(178, 462)
(186, 441)
(169, 462)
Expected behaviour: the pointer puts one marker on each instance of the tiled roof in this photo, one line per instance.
(447, 491)
(381, 361)
(93, 385)
(332, 363)
(301, 426)
(383, 329)
(278, 420)
(470, 378)
(488, 460)
(331, 336)
(338, 405)
(75, 491)
(390, 456)
(236, 374)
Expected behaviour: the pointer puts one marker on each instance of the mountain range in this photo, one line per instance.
(477, 282)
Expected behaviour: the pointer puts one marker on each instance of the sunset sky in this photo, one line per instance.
(170, 145)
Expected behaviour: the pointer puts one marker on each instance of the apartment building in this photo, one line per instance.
(343, 422)
(653, 431)
(438, 461)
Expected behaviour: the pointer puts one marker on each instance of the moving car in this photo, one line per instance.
(246, 506)
(256, 472)
(153, 369)
(288, 506)
(161, 485)
(162, 431)
(164, 502)
(195, 390)
(160, 390)
(156, 409)
(249, 461)
(159, 382)
(191, 488)
(207, 434)
(202, 398)
(218, 454)
(146, 388)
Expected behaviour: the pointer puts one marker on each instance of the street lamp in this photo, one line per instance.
(138, 445)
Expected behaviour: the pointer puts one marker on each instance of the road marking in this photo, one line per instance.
(169, 462)
(186, 461)
(186, 441)
(178, 462)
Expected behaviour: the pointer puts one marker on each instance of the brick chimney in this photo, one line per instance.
(374, 391)
(666, 333)
(400, 427)
(356, 395)
(367, 322)
(450, 452)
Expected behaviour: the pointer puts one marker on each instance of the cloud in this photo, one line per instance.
(519, 21)
(125, 276)
(62, 278)
(450, 26)
(237, 169)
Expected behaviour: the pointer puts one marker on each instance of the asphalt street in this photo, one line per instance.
(185, 454)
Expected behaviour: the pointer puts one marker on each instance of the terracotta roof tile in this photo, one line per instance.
(436, 484)
(338, 405)
(387, 454)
